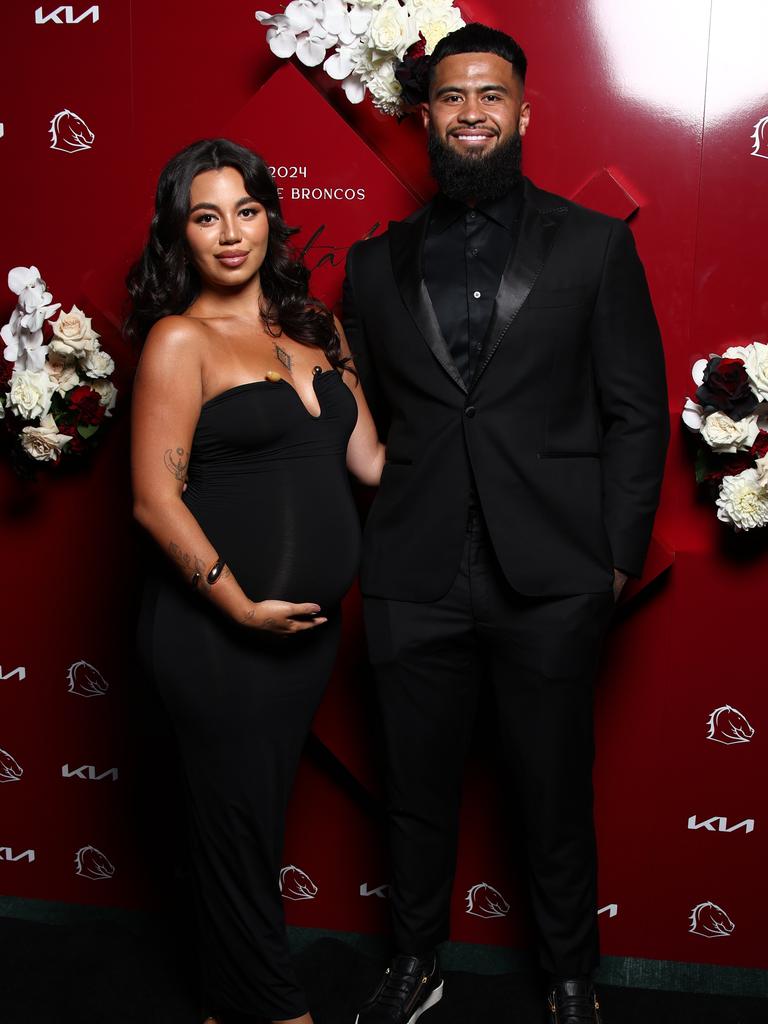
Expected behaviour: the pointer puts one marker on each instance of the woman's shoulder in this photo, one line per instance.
(176, 333)
(174, 350)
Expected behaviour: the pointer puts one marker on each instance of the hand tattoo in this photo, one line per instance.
(176, 462)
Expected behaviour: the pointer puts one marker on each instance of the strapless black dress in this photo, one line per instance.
(269, 486)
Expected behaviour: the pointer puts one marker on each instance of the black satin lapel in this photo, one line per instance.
(524, 264)
(406, 245)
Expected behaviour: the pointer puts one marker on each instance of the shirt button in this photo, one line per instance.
(471, 215)
(469, 411)
(479, 346)
(475, 252)
(477, 294)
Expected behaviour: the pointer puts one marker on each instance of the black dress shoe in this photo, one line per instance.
(573, 1001)
(410, 986)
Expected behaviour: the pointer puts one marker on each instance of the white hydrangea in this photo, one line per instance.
(743, 500)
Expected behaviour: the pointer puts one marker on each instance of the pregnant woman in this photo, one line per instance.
(247, 415)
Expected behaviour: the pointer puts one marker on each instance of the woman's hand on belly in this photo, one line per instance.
(282, 617)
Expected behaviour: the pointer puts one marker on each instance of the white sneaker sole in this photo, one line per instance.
(433, 999)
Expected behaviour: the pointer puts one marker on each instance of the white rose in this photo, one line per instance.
(44, 443)
(108, 393)
(435, 20)
(723, 434)
(97, 363)
(30, 393)
(72, 333)
(391, 29)
(743, 501)
(63, 373)
(385, 89)
(755, 357)
(761, 468)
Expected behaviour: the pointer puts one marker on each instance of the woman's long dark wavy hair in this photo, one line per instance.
(164, 280)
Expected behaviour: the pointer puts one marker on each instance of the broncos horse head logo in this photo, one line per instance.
(10, 769)
(296, 884)
(727, 725)
(485, 901)
(760, 138)
(92, 863)
(85, 680)
(711, 921)
(70, 133)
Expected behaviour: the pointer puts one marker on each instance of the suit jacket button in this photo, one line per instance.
(469, 411)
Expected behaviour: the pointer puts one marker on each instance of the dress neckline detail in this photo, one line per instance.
(237, 388)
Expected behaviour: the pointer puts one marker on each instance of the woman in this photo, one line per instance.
(246, 416)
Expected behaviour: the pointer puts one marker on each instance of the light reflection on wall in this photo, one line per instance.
(656, 54)
(663, 53)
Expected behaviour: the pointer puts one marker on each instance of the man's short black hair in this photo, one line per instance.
(478, 38)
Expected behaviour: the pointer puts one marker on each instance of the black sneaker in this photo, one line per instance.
(573, 1001)
(410, 986)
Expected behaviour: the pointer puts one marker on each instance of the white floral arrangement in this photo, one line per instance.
(370, 42)
(54, 395)
(729, 414)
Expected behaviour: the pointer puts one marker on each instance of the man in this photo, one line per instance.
(506, 341)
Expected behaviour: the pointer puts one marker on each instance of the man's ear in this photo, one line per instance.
(524, 118)
(424, 111)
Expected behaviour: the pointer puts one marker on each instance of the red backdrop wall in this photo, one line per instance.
(641, 108)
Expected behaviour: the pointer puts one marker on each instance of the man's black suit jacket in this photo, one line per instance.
(563, 428)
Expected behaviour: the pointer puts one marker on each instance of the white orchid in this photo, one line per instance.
(693, 415)
(23, 335)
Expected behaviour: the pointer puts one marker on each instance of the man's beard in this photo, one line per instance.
(476, 177)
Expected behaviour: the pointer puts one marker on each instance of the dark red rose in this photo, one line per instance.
(417, 49)
(716, 466)
(725, 388)
(77, 444)
(85, 403)
(737, 464)
(760, 446)
(413, 74)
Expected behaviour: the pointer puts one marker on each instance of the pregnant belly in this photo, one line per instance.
(283, 541)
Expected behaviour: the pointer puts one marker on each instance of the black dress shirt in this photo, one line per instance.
(465, 252)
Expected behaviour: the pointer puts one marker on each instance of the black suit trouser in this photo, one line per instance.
(540, 656)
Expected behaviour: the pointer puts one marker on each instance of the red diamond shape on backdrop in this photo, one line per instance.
(333, 185)
(604, 193)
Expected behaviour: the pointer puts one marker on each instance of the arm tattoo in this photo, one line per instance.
(176, 461)
(248, 617)
(186, 561)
